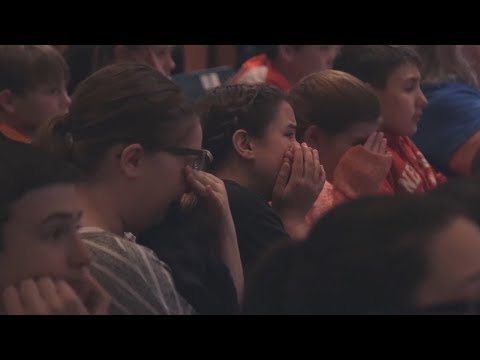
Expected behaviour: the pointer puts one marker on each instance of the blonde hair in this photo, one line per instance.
(442, 63)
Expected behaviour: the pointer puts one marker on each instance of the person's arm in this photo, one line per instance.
(213, 191)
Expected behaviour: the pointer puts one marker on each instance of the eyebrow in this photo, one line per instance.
(62, 216)
(413, 79)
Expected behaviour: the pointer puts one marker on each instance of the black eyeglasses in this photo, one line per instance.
(201, 158)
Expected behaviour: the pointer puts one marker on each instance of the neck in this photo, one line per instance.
(100, 208)
(244, 178)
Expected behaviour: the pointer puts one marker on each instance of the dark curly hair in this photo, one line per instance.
(227, 109)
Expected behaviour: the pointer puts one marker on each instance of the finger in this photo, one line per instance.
(71, 303)
(383, 146)
(316, 165)
(212, 195)
(323, 177)
(370, 140)
(31, 298)
(195, 185)
(289, 154)
(307, 162)
(208, 179)
(282, 178)
(297, 166)
(11, 301)
(379, 142)
(48, 292)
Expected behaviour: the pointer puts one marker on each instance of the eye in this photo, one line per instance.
(59, 233)
(291, 134)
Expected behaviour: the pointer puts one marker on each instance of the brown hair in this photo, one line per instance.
(104, 55)
(333, 101)
(374, 64)
(121, 103)
(23, 67)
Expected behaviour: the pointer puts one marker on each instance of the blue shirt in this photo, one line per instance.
(451, 117)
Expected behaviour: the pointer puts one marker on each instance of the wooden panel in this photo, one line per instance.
(196, 57)
(224, 55)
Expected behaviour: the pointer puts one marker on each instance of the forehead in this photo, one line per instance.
(190, 134)
(284, 116)
(39, 203)
(403, 73)
(46, 86)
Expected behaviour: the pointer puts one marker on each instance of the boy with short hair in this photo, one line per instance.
(393, 72)
(33, 81)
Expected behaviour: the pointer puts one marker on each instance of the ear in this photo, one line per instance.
(7, 101)
(286, 52)
(314, 137)
(131, 160)
(242, 143)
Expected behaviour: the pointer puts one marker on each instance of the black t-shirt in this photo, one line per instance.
(258, 227)
(199, 274)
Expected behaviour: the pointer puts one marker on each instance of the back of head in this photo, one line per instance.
(365, 256)
(462, 192)
(25, 169)
(229, 108)
(442, 63)
(121, 103)
(374, 64)
(104, 55)
(24, 67)
(333, 101)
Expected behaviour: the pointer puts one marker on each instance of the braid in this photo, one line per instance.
(229, 108)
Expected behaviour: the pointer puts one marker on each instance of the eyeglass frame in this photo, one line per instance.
(204, 155)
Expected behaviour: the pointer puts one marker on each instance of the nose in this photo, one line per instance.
(79, 256)
(65, 100)
(422, 100)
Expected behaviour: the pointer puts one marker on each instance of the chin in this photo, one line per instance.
(412, 131)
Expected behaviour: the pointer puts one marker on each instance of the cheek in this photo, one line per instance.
(46, 109)
(39, 261)
(176, 179)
